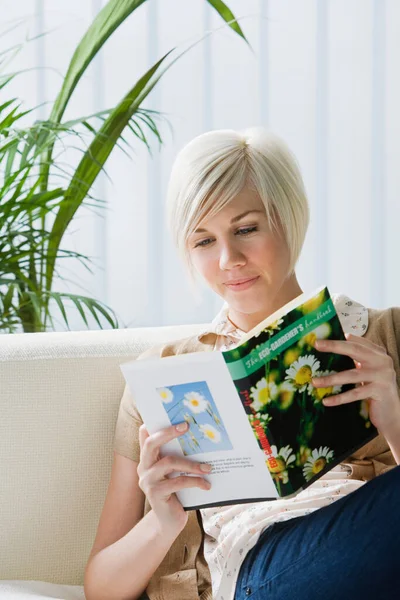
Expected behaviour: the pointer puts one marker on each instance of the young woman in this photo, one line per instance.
(238, 213)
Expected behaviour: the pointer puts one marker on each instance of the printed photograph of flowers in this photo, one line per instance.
(193, 403)
(306, 437)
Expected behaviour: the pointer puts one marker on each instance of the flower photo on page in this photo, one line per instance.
(193, 403)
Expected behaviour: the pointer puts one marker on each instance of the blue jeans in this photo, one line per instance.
(349, 550)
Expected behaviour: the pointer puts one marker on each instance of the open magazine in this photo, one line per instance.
(253, 412)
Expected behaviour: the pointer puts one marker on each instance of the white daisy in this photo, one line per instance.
(263, 393)
(320, 393)
(166, 395)
(317, 461)
(260, 418)
(301, 372)
(283, 459)
(196, 402)
(210, 433)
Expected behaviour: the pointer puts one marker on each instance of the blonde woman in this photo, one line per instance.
(238, 214)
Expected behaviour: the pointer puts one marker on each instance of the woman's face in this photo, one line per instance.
(231, 248)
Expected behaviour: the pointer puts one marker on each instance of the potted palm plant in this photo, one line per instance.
(35, 213)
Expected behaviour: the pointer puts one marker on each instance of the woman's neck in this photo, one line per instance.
(246, 321)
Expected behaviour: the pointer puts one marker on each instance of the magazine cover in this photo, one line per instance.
(272, 371)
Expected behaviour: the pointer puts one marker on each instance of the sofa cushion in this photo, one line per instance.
(59, 399)
(38, 590)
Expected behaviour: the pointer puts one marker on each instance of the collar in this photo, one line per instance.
(353, 317)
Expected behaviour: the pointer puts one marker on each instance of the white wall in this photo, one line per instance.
(323, 74)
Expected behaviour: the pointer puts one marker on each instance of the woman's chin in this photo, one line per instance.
(251, 304)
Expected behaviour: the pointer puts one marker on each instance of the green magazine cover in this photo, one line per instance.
(272, 371)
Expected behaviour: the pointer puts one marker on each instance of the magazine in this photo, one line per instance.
(252, 410)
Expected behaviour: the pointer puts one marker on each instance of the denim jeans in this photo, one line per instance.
(349, 550)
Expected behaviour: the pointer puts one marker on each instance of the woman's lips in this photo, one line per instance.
(242, 286)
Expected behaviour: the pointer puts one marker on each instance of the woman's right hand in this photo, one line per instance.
(159, 489)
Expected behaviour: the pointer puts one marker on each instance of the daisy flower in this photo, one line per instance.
(275, 326)
(196, 402)
(260, 419)
(166, 395)
(210, 433)
(263, 393)
(282, 460)
(317, 461)
(302, 371)
(320, 393)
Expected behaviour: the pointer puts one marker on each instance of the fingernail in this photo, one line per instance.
(181, 426)
(205, 468)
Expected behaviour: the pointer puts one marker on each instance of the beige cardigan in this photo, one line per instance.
(184, 574)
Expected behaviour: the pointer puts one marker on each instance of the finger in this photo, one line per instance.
(170, 464)
(358, 352)
(359, 393)
(152, 444)
(362, 340)
(357, 375)
(174, 484)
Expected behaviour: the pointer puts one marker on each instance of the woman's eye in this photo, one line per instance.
(246, 230)
(242, 231)
(202, 243)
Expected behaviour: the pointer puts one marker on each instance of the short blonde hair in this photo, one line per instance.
(215, 166)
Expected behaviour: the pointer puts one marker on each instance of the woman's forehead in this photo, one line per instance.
(241, 204)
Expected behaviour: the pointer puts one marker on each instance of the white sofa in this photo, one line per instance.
(59, 398)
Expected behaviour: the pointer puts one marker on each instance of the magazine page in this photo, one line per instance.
(272, 372)
(198, 388)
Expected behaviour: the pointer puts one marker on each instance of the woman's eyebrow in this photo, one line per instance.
(234, 219)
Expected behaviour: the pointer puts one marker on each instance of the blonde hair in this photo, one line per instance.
(215, 166)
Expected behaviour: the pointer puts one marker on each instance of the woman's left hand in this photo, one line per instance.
(375, 375)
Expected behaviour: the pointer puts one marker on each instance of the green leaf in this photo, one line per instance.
(93, 306)
(8, 298)
(57, 297)
(225, 12)
(75, 300)
(33, 296)
(97, 154)
(106, 22)
(114, 13)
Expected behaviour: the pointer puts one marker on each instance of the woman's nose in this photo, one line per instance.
(231, 257)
